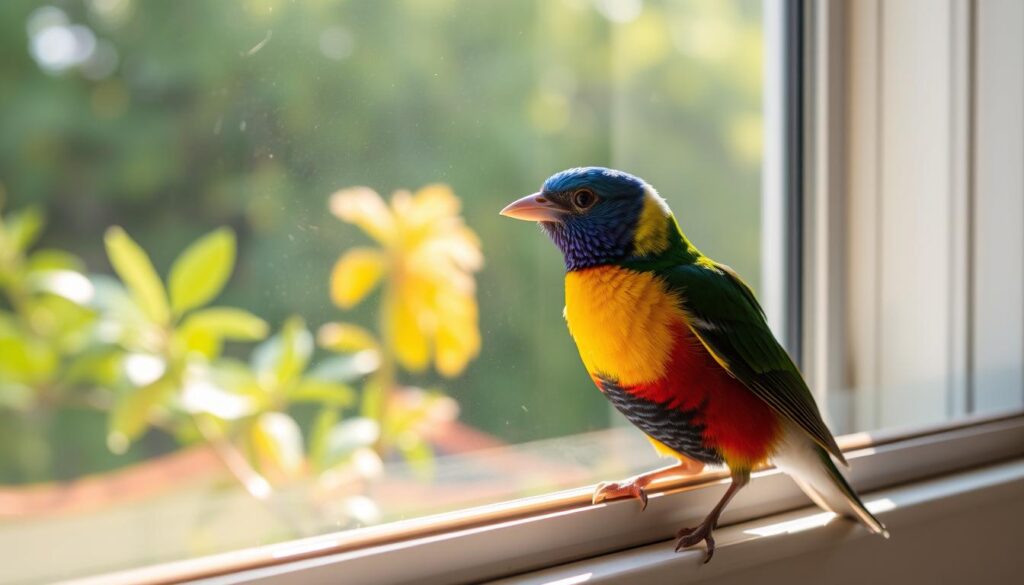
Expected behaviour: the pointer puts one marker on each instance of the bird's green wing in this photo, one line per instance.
(724, 314)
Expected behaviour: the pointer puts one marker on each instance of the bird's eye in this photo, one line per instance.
(583, 198)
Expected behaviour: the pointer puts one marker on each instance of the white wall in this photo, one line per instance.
(998, 189)
(932, 145)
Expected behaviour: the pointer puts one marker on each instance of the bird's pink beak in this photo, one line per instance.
(533, 207)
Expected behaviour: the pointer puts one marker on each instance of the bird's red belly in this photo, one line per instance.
(741, 426)
(631, 331)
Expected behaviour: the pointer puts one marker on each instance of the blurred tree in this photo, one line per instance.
(172, 118)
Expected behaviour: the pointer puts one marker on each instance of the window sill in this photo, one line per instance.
(935, 526)
(536, 533)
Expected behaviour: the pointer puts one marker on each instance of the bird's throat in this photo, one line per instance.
(582, 247)
(622, 322)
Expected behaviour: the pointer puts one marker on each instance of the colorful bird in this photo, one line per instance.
(680, 346)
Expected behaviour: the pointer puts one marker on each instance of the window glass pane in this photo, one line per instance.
(248, 408)
(926, 338)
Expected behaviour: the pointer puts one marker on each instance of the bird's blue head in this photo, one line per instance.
(597, 216)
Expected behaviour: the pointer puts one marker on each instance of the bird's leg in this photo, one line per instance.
(634, 487)
(691, 536)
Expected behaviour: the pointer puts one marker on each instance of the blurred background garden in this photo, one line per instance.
(268, 230)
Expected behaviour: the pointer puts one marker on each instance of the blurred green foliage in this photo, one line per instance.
(249, 114)
(146, 355)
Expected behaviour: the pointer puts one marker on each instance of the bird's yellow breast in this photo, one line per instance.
(621, 321)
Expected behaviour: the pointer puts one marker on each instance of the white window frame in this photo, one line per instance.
(512, 538)
(537, 533)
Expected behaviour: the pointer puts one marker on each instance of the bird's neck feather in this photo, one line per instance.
(657, 237)
(677, 250)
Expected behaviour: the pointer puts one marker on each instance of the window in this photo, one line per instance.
(237, 135)
(913, 321)
(316, 186)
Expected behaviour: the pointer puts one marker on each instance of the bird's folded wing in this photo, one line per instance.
(724, 314)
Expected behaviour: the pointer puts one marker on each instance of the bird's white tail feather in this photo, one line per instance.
(814, 471)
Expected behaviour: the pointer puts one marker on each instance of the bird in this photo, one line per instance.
(679, 344)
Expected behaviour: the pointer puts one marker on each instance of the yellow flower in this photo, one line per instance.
(427, 257)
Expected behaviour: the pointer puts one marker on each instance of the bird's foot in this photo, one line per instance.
(635, 487)
(613, 490)
(688, 537)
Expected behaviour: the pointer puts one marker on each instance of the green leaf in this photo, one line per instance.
(51, 259)
(345, 338)
(61, 324)
(24, 227)
(130, 416)
(322, 391)
(27, 360)
(202, 394)
(101, 365)
(284, 356)
(205, 330)
(227, 323)
(347, 436)
(346, 368)
(131, 263)
(68, 284)
(297, 344)
(200, 272)
(200, 341)
(325, 420)
(277, 440)
(372, 405)
(237, 377)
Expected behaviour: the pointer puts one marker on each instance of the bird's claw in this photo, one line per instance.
(612, 490)
(688, 537)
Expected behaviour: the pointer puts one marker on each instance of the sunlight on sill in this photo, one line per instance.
(791, 526)
(581, 578)
(817, 520)
(303, 549)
